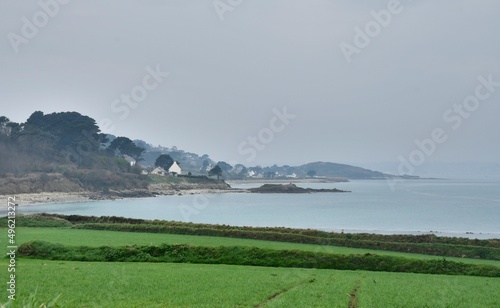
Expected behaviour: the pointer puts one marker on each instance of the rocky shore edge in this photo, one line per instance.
(86, 196)
(159, 189)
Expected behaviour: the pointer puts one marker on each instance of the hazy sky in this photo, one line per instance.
(307, 80)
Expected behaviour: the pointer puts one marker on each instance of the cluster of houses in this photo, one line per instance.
(251, 173)
(260, 175)
(174, 170)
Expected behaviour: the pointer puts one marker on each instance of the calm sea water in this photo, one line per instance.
(445, 207)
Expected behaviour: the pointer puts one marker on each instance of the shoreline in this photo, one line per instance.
(27, 199)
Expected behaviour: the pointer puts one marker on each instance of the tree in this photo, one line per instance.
(224, 166)
(164, 161)
(5, 126)
(311, 173)
(215, 171)
(240, 170)
(269, 175)
(71, 129)
(125, 146)
(205, 165)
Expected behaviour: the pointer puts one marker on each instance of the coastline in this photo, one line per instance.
(159, 189)
(26, 199)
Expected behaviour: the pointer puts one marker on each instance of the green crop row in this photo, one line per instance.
(395, 238)
(437, 249)
(422, 244)
(236, 255)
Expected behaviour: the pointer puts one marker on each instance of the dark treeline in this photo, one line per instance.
(70, 144)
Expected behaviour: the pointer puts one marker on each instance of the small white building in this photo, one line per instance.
(175, 169)
(158, 171)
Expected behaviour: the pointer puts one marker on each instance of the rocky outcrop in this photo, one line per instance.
(289, 189)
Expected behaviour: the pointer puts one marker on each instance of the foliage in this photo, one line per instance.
(125, 146)
(424, 248)
(215, 171)
(70, 129)
(38, 220)
(165, 161)
(235, 255)
(48, 140)
(425, 244)
(36, 154)
(224, 166)
(33, 300)
(96, 238)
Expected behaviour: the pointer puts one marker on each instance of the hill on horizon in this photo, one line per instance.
(329, 169)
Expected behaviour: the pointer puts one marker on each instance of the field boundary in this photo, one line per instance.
(238, 255)
(428, 244)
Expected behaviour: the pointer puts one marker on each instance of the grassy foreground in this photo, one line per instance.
(100, 284)
(146, 284)
(96, 238)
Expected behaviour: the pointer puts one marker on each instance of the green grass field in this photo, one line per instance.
(116, 238)
(143, 284)
(84, 284)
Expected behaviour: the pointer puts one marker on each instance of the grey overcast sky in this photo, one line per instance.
(359, 80)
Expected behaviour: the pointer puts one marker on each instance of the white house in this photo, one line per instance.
(175, 169)
(158, 171)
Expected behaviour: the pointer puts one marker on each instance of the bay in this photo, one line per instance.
(444, 207)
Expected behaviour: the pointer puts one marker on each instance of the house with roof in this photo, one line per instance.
(174, 170)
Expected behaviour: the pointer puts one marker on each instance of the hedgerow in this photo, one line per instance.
(235, 255)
